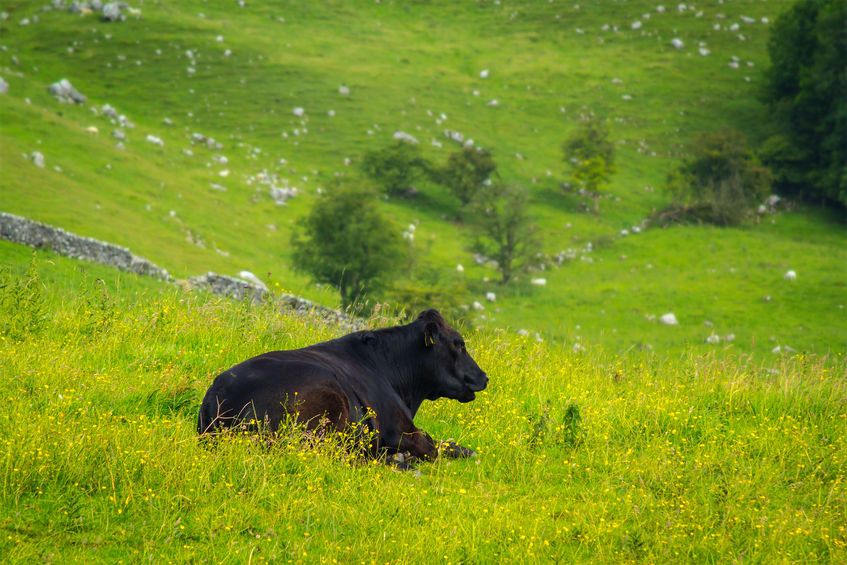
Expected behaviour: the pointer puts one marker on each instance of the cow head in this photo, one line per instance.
(456, 375)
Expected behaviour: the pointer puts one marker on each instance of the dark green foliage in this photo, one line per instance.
(504, 229)
(591, 157)
(347, 243)
(23, 309)
(720, 182)
(395, 167)
(431, 289)
(466, 172)
(807, 92)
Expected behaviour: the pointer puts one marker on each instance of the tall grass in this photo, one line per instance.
(581, 456)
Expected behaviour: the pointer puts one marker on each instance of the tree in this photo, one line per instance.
(504, 229)
(720, 182)
(395, 167)
(591, 157)
(805, 89)
(347, 243)
(467, 170)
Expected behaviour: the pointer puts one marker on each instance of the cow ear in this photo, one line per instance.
(430, 334)
(368, 338)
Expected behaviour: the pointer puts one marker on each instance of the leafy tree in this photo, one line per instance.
(720, 182)
(467, 170)
(591, 157)
(347, 243)
(807, 92)
(505, 231)
(395, 167)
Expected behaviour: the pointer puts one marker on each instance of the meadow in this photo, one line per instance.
(237, 74)
(581, 456)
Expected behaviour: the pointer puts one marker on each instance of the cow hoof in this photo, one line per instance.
(453, 449)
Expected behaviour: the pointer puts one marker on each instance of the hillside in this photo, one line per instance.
(582, 456)
(237, 74)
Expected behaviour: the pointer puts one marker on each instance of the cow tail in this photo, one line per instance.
(205, 418)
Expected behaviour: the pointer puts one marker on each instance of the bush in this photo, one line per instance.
(395, 167)
(806, 88)
(431, 289)
(466, 172)
(591, 157)
(347, 243)
(504, 229)
(720, 183)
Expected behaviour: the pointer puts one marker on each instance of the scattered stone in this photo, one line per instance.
(713, 339)
(677, 43)
(477, 306)
(298, 111)
(64, 91)
(4, 86)
(405, 137)
(37, 159)
(539, 282)
(344, 90)
(490, 296)
(669, 319)
(460, 268)
(155, 140)
(523, 333)
(790, 276)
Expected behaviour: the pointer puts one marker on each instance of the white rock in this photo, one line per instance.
(251, 278)
(477, 306)
(155, 140)
(677, 43)
(460, 268)
(490, 296)
(539, 282)
(635, 25)
(790, 276)
(483, 73)
(713, 339)
(493, 103)
(523, 332)
(669, 319)
(298, 111)
(4, 86)
(660, 9)
(92, 130)
(37, 159)
(405, 137)
(344, 90)
(704, 51)
(729, 338)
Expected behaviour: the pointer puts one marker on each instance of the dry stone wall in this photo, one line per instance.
(42, 236)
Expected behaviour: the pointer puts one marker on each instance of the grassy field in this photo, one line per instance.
(582, 456)
(236, 74)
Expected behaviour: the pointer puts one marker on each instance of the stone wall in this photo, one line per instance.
(35, 234)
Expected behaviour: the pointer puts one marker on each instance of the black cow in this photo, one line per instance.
(377, 377)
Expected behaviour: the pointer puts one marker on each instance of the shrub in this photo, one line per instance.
(504, 229)
(347, 243)
(395, 167)
(591, 157)
(466, 172)
(720, 182)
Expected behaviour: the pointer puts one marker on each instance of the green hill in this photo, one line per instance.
(236, 74)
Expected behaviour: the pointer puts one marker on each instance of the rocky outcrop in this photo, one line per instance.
(35, 234)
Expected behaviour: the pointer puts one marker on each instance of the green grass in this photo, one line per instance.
(406, 64)
(582, 456)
